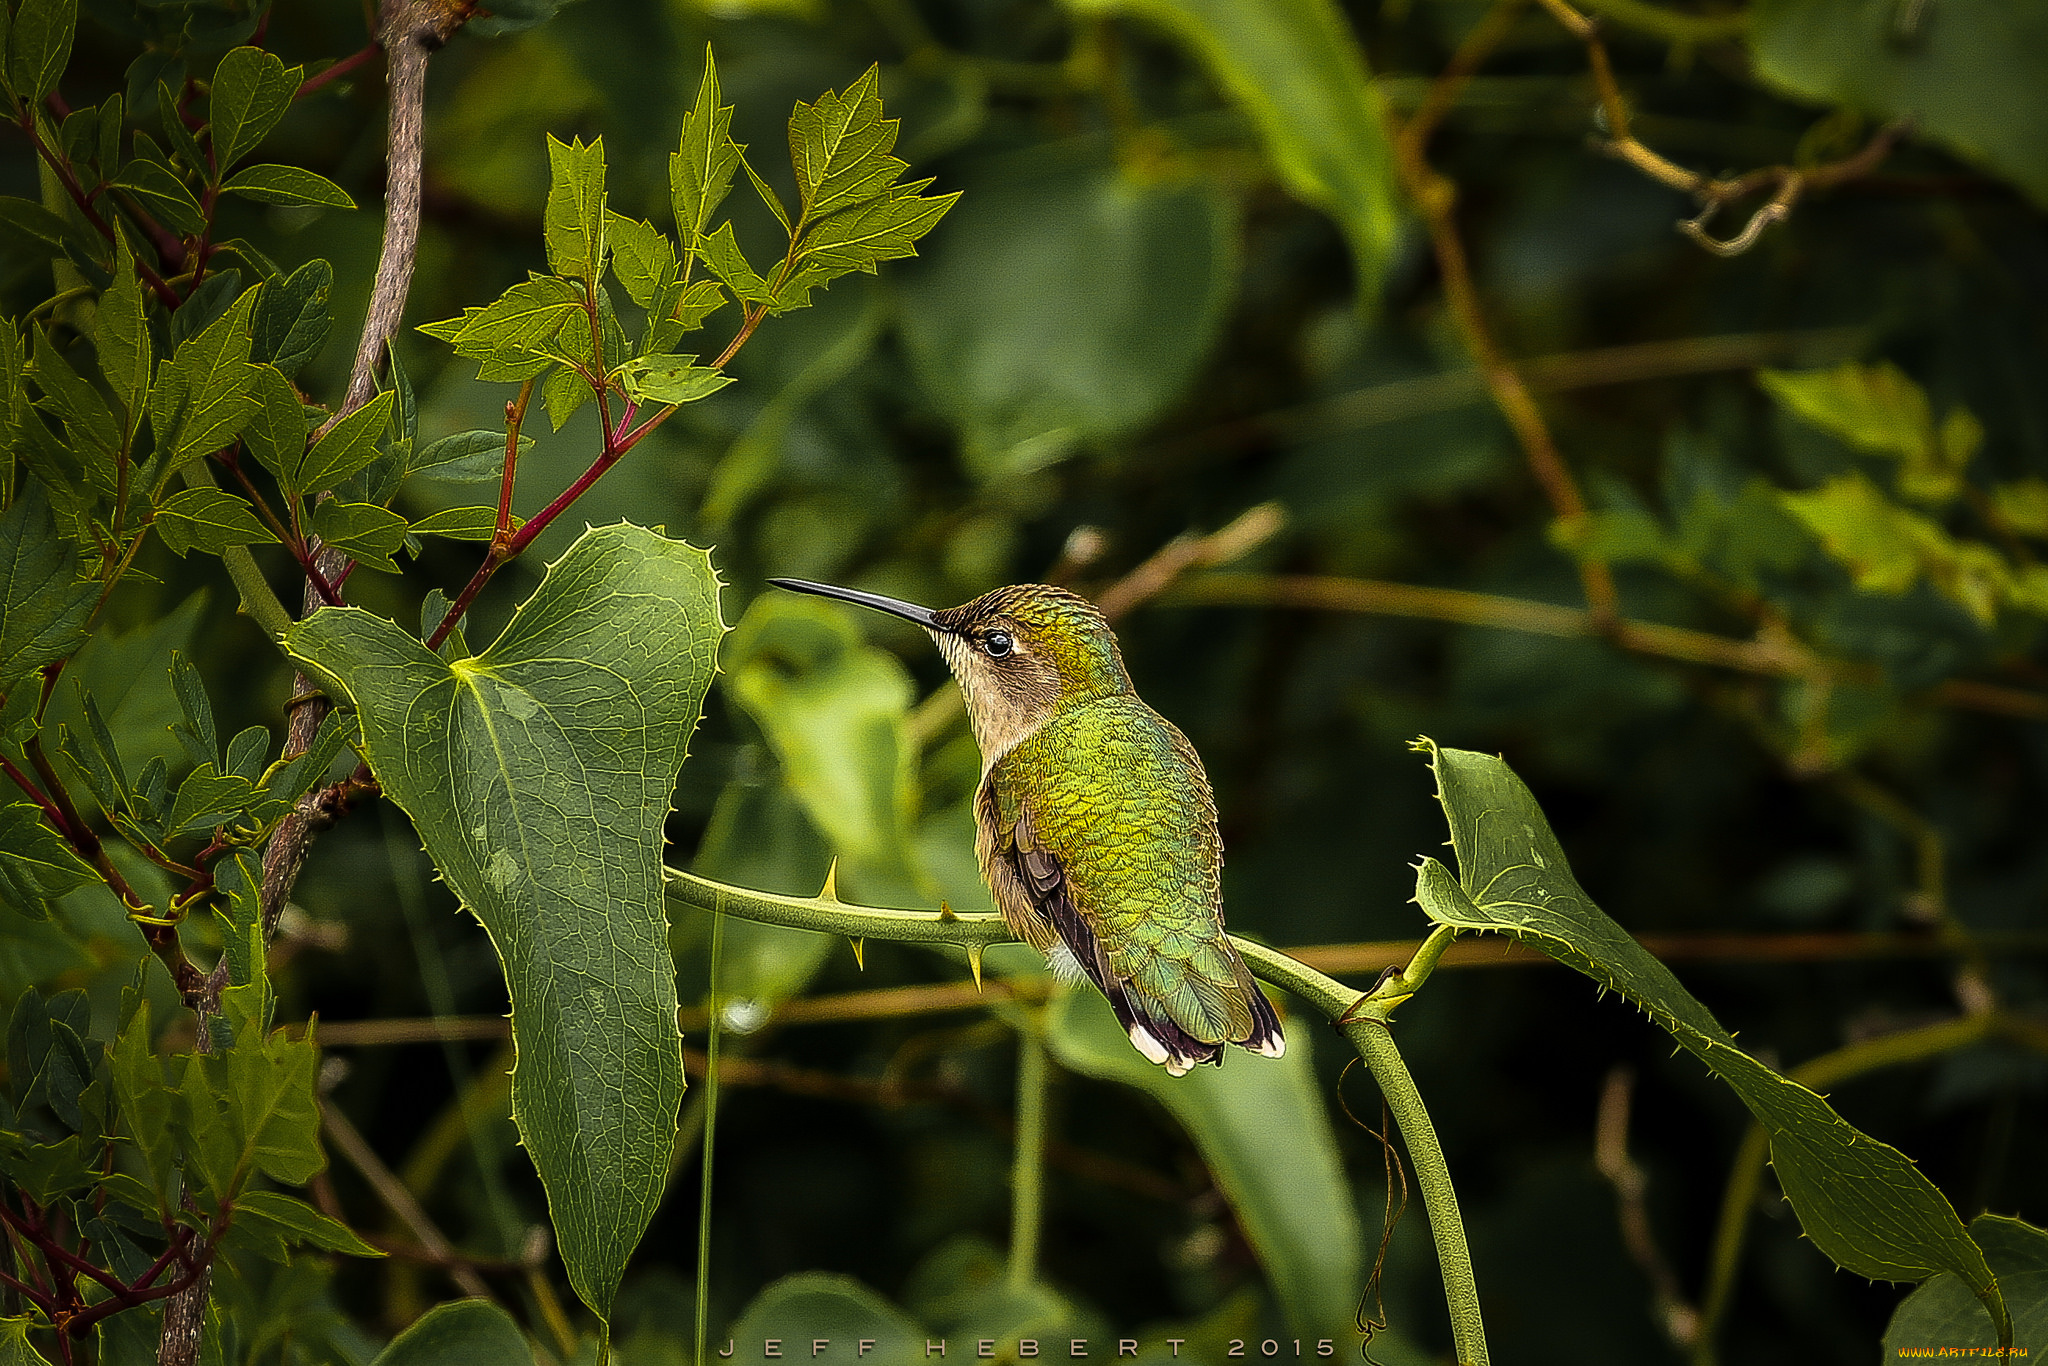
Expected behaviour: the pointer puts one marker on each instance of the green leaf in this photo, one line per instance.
(465, 457)
(839, 148)
(276, 431)
(144, 1102)
(1862, 1202)
(700, 169)
(571, 889)
(884, 228)
(1876, 408)
(575, 217)
(366, 531)
(510, 334)
(25, 215)
(1295, 68)
(246, 751)
(298, 1222)
(121, 335)
(1067, 310)
(15, 1348)
(269, 1084)
(287, 185)
(89, 424)
(252, 91)
(202, 397)
(207, 798)
(1968, 75)
(813, 1305)
(1944, 1314)
(349, 445)
(44, 608)
(670, 379)
(209, 520)
(2023, 505)
(39, 47)
(1887, 549)
(37, 865)
(292, 319)
(461, 524)
(642, 257)
(196, 732)
(1295, 1209)
(723, 255)
(151, 176)
(459, 1333)
(833, 709)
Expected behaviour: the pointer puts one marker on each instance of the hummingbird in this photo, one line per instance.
(1094, 824)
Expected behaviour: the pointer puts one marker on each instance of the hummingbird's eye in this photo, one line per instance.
(998, 644)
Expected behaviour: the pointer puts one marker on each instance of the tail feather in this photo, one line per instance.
(1153, 1032)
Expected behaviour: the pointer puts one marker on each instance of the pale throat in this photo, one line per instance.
(1001, 720)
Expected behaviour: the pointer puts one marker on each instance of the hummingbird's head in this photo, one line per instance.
(1020, 653)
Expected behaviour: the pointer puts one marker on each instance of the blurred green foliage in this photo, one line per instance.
(1182, 280)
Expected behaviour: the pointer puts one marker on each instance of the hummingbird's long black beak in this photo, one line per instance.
(896, 607)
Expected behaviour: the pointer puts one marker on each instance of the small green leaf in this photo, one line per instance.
(202, 397)
(575, 216)
(1887, 549)
(292, 319)
(700, 169)
(269, 1083)
(723, 255)
(1295, 68)
(37, 865)
(2023, 505)
(572, 898)
(121, 335)
(151, 177)
(670, 379)
(246, 751)
(370, 533)
(209, 520)
(89, 424)
(39, 47)
(839, 148)
(461, 524)
(144, 1103)
(252, 91)
(197, 732)
(349, 445)
(44, 609)
(465, 457)
(459, 1333)
(510, 334)
(1861, 1201)
(27, 216)
(298, 1222)
(287, 185)
(276, 430)
(208, 798)
(1877, 409)
(642, 257)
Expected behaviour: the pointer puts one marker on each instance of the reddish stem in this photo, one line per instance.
(339, 69)
(69, 180)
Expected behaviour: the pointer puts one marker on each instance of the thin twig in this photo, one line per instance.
(1680, 1319)
(1770, 654)
(350, 1143)
(1712, 194)
(1436, 195)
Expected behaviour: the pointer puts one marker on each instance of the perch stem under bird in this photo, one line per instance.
(1095, 825)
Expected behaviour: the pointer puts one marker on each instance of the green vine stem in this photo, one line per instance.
(1027, 1169)
(1361, 1015)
